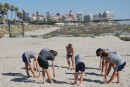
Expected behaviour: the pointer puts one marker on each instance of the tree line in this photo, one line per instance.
(5, 8)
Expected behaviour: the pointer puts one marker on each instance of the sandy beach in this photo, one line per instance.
(12, 68)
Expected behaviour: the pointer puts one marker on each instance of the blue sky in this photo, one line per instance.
(119, 7)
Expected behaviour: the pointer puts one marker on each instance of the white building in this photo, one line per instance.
(108, 15)
(79, 16)
(40, 17)
(34, 17)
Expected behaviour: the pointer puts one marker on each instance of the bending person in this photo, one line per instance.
(80, 66)
(118, 61)
(26, 59)
(99, 52)
(44, 57)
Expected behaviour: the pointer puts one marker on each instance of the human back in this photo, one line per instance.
(79, 58)
(30, 53)
(47, 56)
(118, 60)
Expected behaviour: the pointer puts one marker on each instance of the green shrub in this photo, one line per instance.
(125, 38)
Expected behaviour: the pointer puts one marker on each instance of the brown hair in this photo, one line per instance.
(54, 52)
(70, 45)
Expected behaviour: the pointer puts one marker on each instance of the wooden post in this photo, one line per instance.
(23, 28)
(9, 28)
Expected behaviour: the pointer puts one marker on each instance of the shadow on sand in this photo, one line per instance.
(89, 80)
(19, 77)
(58, 66)
(92, 73)
(69, 73)
(95, 81)
(91, 68)
(57, 82)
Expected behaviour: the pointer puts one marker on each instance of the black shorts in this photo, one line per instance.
(42, 63)
(80, 67)
(25, 59)
(68, 56)
(120, 67)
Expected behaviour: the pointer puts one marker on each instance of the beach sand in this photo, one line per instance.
(12, 68)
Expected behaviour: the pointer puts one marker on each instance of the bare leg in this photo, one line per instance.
(43, 74)
(72, 59)
(75, 77)
(81, 78)
(68, 61)
(118, 77)
(48, 75)
(34, 63)
(26, 69)
(103, 65)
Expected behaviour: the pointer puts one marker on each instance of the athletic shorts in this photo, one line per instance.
(120, 67)
(25, 59)
(42, 63)
(80, 67)
(68, 56)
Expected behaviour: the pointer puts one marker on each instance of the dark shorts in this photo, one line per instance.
(80, 67)
(68, 56)
(43, 64)
(25, 59)
(120, 67)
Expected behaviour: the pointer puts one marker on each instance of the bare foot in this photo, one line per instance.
(29, 76)
(106, 82)
(73, 83)
(118, 82)
(51, 81)
(38, 76)
(54, 81)
(80, 84)
(35, 76)
(72, 68)
(43, 82)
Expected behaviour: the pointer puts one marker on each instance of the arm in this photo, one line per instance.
(66, 48)
(100, 65)
(107, 62)
(112, 77)
(37, 65)
(53, 69)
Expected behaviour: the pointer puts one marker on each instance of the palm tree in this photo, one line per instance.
(20, 15)
(16, 10)
(12, 8)
(1, 6)
(2, 11)
(24, 15)
(7, 7)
